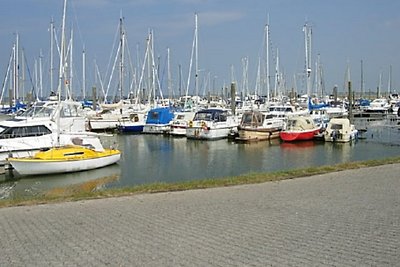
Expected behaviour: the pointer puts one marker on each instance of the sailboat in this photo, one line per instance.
(65, 159)
(68, 158)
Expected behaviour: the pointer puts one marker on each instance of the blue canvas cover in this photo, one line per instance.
(160, 115)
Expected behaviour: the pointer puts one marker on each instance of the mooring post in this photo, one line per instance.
(233, 98)
(94, 95)
(350, 102)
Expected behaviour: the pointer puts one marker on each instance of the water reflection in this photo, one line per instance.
(39, 185)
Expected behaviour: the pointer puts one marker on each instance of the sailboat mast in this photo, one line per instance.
(40, 74)
(16, 68)
(151, 97)
(307, 45)
(61, 70)
(15, 75)
(51, 53)
(194, 51)
(71, 75)
(196, 56)
(62, 53)
(277, 75)
(245, 69)
(121, 59)
(170, 93)
(390, 80)
(362, 80)
(267, 59)
(380, 85)
(83, 73)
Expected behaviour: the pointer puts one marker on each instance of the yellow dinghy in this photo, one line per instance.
(64, 159)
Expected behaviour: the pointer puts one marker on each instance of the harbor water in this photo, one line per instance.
(150, 159)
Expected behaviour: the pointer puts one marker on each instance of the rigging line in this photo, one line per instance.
(132, 68)
(76, 22)
(6, 77)
(161, 81)
(116, 41)
(33, 91)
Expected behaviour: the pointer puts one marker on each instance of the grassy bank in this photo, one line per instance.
(89, 190)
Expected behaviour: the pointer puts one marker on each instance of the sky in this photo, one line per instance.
(344, 34)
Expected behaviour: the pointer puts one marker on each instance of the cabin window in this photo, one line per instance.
(247, 119)
(269, 116)
(69, 111)
(223, 117)
(336, 127)
(25, 131)
(291, 123)
(203, 116)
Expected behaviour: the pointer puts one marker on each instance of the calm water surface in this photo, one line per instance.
(156, 158)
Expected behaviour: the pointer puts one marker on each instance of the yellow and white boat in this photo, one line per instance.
(71, 158)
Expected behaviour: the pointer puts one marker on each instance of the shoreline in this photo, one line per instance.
(88, 191)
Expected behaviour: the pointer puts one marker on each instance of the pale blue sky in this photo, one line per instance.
(344, 33)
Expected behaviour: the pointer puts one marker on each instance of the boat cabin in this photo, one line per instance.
(217, 115)
(17, 131)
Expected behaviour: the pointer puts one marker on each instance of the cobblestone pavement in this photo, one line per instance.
(348, 218)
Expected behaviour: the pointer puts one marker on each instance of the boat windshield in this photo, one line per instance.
(252, 119)
(337, 126)
(2, 129)
(247, 118)
(203, 116)
(280, 109)
(38, 111)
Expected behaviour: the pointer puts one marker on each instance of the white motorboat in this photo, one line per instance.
(71, 114)
(181, 122)
(210, 124)
(135, 124)
(379, 105)
(340, 130)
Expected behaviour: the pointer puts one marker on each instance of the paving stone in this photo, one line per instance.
(347, 218)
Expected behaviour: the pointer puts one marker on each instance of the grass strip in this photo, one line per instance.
(90, 190)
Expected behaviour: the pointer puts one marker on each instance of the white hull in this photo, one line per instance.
(340, 130)
(211, 124)
(180, 123)
(103, 124)
(178, 130)
(156, 128)
(340, 138)
(208, 133)
(43, 167)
